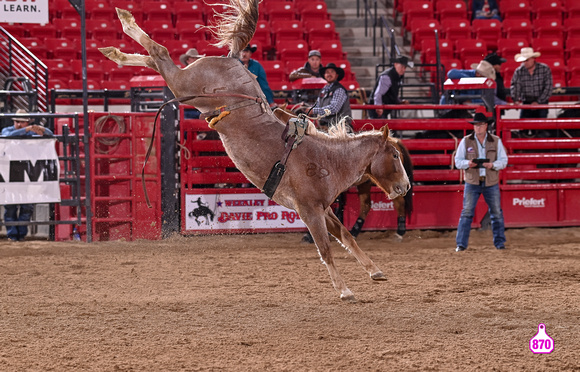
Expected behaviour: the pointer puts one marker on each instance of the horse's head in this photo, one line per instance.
(386, 168)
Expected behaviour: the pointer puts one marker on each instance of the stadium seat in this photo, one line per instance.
(323, 29)
(160, 30)
(62, 48)
(189, 11)
(489, 30)
(115, 85)
(345, 65)
(573, 68)
(547, 9)
(454, 29)
(517, 9)
(508, 48)
(120, 73)
(422, 29)
(550, 48)
(205, 47)
(274, 71)
(416, 10)
(429, 50)
(287, 30)
(548, 27)
(15, 30)
(64, 9)
(94, 69)
(279, 10)
(293, 64)
(190, 31)
(69, 28)
(517, 28)
(157, 10)
(292, 49)
(56, 84)
(36, 46)
(59, 69)
(571, 27)
(212, 9)
(315, 11)
(102, 28)
(263, 34)
(78, 85)
(470, 49)
(572, 48)
(447, 9)
(99, 9)
(572, 9)
(557, 66)
(42, 31)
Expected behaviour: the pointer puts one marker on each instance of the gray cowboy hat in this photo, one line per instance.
(334, 67)
(21, 111)
(191, 53)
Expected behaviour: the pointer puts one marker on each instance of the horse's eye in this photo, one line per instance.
(396, 155)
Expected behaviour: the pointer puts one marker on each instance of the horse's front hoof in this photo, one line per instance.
(348, 297)
(378, 276)
(398, 237)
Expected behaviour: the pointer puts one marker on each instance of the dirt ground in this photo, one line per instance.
(265, 303)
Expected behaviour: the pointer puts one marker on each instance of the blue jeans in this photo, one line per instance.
(492, 197)
(11, 214)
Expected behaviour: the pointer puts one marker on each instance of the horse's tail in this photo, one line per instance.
(236, 27)
(408, 165)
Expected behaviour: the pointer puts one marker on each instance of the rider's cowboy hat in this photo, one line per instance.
(485, 69)
(334, 67)
(191, 53)
(526, 53)
(21, 111)
(481, 118)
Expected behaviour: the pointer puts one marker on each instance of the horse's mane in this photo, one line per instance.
(236, 27)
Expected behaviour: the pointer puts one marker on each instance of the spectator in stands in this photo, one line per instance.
(485, 9)
(496, 61)
(482, 155)
(531, 84)
(21, 212)
(311, 67)
(256, 68)
(187, 59)
(386, 91)
(333, 97)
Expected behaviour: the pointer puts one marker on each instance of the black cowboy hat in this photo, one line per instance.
(251, 48)
(481, 118)
(338, 70)
(494, 59)
(404, 61)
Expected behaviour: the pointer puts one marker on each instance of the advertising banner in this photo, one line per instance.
(29, 171)
(237, 212)
(24, 11)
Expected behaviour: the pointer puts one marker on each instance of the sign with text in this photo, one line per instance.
(237, 212)
(29, 170)
(24, 11)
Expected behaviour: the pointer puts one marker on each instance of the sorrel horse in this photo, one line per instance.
(402, 204)
(230, 98)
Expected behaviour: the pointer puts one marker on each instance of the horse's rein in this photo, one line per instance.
(208, 114)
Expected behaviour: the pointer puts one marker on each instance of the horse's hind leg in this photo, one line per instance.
(317, 227)
(337, 229)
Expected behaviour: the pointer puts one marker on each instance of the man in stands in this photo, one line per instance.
(532, 83)
(386, 91)
(256, 68)
(481, 154)
(333, 97)
(310, 69)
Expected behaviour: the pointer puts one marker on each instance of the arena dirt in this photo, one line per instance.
(265, 303)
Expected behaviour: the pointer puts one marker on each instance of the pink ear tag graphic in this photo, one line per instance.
(541, 343)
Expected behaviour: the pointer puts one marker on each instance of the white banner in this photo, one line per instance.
(24, 11)
(237, 212)
(29, 171)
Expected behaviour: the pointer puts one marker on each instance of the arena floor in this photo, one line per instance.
(265, 303)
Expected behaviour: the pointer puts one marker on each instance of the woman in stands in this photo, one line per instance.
(485, 9)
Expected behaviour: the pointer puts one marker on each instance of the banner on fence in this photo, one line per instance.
(24, 11)
(237, 212)
(29, 171)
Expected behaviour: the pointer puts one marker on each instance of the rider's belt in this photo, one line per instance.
(481, 178)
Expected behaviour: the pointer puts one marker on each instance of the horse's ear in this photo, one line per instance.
(385, 130)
